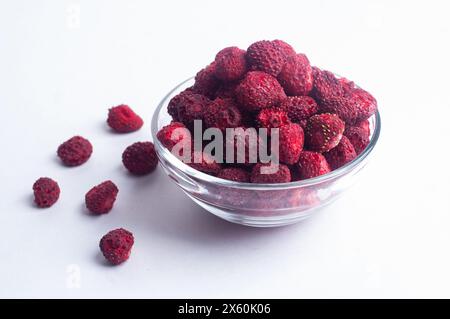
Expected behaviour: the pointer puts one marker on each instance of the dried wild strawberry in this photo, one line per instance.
(231, 64)
(272, 118)
(291, 143)
(222, 114)
(206, 82)
(75, 151)
(312, 164)
(296, 76)
(323, 132)
(358, 137)
(140, 158)
(123, 119)
(46, 192)
(100, 199)
(299, 108)
(116, 245)
(259, 90)
(340, 155)
(266, 56)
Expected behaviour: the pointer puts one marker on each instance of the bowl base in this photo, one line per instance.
(263, 220)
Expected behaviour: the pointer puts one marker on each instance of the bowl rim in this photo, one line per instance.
(198, 175)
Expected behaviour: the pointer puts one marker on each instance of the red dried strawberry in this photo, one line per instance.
(343, 153)
(206, 82)
(46, 192)
(75, 151)
(227, 90)
(312, 164)
(284, 47)
(259, 90)
(323, 132)
(231, 64)
(266, 56)
(190, 106)
(326, 85)
(291, 143)
(123, 119)
(100, 199)
(116, 245)
(273, 117)
(296, 76)
(172, 107)
(342, 97)
(222, 114)
(140, 158)
(299, 108)
(365, 126)
(358, 137)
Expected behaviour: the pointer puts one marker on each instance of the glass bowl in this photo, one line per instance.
(259, 205)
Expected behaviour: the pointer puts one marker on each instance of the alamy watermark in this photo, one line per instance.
(232, 146)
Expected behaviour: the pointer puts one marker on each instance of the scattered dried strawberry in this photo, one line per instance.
(100, 199)
(323, 132)
(75, 151)
(123, 119)
(343, 153)
(312, 164)
(46, 192)
(116, 245)
(140, 158)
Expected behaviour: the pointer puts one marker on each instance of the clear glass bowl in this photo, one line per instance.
(261, 205)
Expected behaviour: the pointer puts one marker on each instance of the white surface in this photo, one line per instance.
(388, 237)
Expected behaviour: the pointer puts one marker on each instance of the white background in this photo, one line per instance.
(59, 73)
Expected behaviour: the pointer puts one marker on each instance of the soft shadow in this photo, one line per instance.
(101, 260)
(86, 212)
(29, 201)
